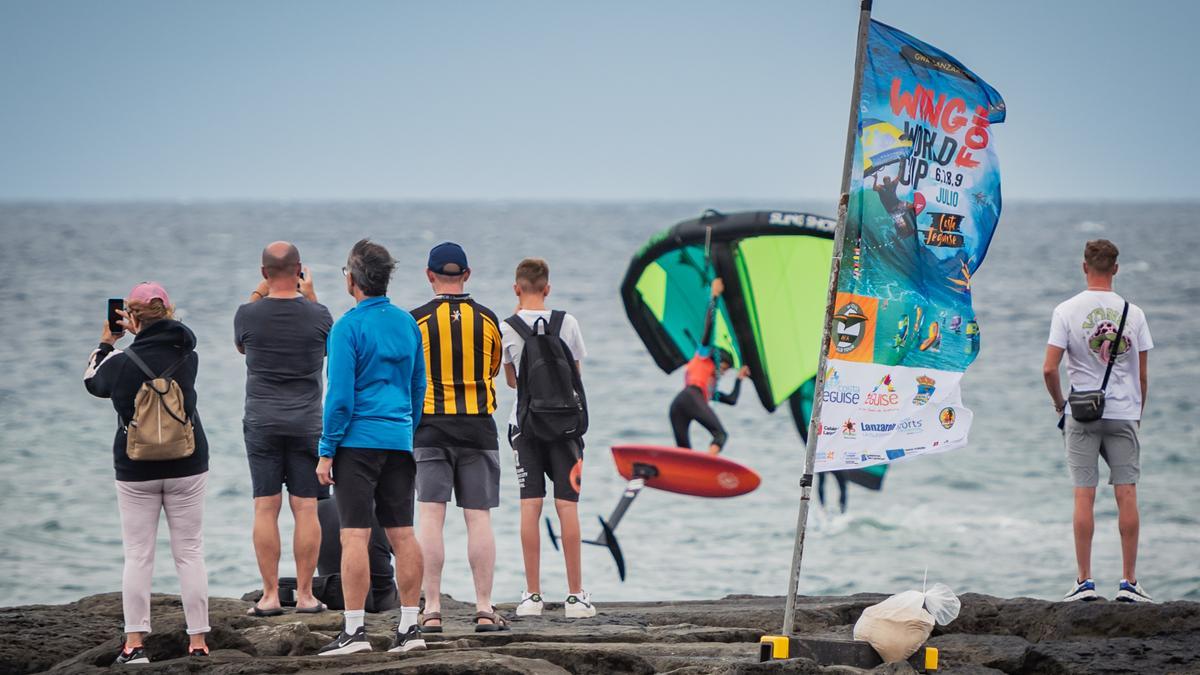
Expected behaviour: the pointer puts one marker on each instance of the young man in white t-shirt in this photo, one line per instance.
(562, 460)
(1085, 329)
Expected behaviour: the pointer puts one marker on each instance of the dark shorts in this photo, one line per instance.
(276, 459)
(366, 480)
(471, 474)
(562, 461)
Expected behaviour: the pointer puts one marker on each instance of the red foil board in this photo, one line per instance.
(687, 472)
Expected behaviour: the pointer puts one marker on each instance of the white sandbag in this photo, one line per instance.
(942, 603)
(896, 627)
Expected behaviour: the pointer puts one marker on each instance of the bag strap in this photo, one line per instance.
(556, 322)
(1112, 355)
(137, 361)
(518, 324)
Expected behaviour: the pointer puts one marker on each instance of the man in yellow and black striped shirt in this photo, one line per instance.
(456, 445)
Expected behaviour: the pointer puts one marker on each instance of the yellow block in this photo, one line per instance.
(931, 658)
(779, 645)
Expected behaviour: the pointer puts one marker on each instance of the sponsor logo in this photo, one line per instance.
(848, 429)
(894, 454)
(850, 324)
(850, 458)
(828, 430)
(835, 392)
(910, 426)
(728, 480)
(876, 428)
(883, 396)
(870, 457)
(947, 417)
(925, 387)
(803, 220)
(944, 230)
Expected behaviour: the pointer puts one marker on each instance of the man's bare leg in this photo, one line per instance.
(409, 564)
(568, 521)
(266, 547)
(306, 544)
(431, 519)
(531, 543)
(1128, 524)
(1085, 526)
(356, 568)
(481, 554)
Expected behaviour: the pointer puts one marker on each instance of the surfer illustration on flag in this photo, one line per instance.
(924, 200)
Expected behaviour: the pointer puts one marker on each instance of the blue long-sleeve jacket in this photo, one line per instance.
(376, 379)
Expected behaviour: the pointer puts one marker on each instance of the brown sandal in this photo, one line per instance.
(498, 623)
(426, 618)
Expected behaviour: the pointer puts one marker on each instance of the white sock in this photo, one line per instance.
(408, 619)
(354, 620)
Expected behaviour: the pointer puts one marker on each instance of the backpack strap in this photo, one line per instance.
(556, 322)
(137, 361)
(518, 324)
(1112, 355)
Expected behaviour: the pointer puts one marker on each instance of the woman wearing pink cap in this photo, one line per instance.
(161, 458)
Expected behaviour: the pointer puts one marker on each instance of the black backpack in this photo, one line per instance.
(551, 405)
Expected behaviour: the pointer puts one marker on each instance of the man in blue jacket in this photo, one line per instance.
(376, 383)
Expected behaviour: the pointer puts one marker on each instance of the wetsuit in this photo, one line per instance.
(700, 379)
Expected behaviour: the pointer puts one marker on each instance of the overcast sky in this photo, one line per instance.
(561, 100)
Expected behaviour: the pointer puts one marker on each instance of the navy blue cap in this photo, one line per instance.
(448, 253)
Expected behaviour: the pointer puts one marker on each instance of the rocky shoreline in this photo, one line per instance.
(991, 635)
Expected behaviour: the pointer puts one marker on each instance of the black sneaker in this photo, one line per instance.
(198, 651)
(135, 655)
(347, 644)
(408, 641)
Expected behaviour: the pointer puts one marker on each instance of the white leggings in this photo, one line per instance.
(140, 503)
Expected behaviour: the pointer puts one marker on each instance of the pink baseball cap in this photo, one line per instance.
(147, 291)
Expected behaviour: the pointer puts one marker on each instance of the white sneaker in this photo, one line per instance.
(531, 605)
(579, 605)
(1128, 592)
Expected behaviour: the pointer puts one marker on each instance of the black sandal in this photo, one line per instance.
(498, 623)
(426, 618)
(263, 613)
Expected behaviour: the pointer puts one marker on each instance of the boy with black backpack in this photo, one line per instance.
(541, 354)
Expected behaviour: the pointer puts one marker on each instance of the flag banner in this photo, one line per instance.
(924, 202)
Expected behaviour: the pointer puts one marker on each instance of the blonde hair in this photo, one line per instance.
(533, 274)
(147, 313)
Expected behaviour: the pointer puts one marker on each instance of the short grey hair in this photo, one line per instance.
(370, 266)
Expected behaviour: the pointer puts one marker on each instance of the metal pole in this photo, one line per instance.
(814, 426)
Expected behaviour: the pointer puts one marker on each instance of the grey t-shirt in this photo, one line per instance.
(284, 341)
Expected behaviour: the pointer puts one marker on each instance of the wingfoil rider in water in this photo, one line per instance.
(700, 379)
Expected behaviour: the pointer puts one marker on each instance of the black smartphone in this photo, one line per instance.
(113, 318)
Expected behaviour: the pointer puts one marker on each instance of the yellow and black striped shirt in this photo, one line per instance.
(462, 355)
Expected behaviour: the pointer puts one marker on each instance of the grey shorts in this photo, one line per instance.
(471, 474)
(1114, 440)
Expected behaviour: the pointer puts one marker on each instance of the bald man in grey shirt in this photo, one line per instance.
(282, 332)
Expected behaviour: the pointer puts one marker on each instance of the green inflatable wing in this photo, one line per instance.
(775, 265)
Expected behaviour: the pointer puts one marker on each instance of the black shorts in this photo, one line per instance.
(276, 459)
(367, 479)
(562, 461)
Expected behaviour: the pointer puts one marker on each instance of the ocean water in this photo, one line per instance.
(992, 518)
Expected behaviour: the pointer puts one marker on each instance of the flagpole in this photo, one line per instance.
(814, 426)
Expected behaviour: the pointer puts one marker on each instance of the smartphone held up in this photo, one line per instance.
(114, 319)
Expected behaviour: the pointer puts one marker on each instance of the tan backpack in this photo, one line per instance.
(160, 429)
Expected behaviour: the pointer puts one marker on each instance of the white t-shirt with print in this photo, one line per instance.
(512, 344)
(1086, 327)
